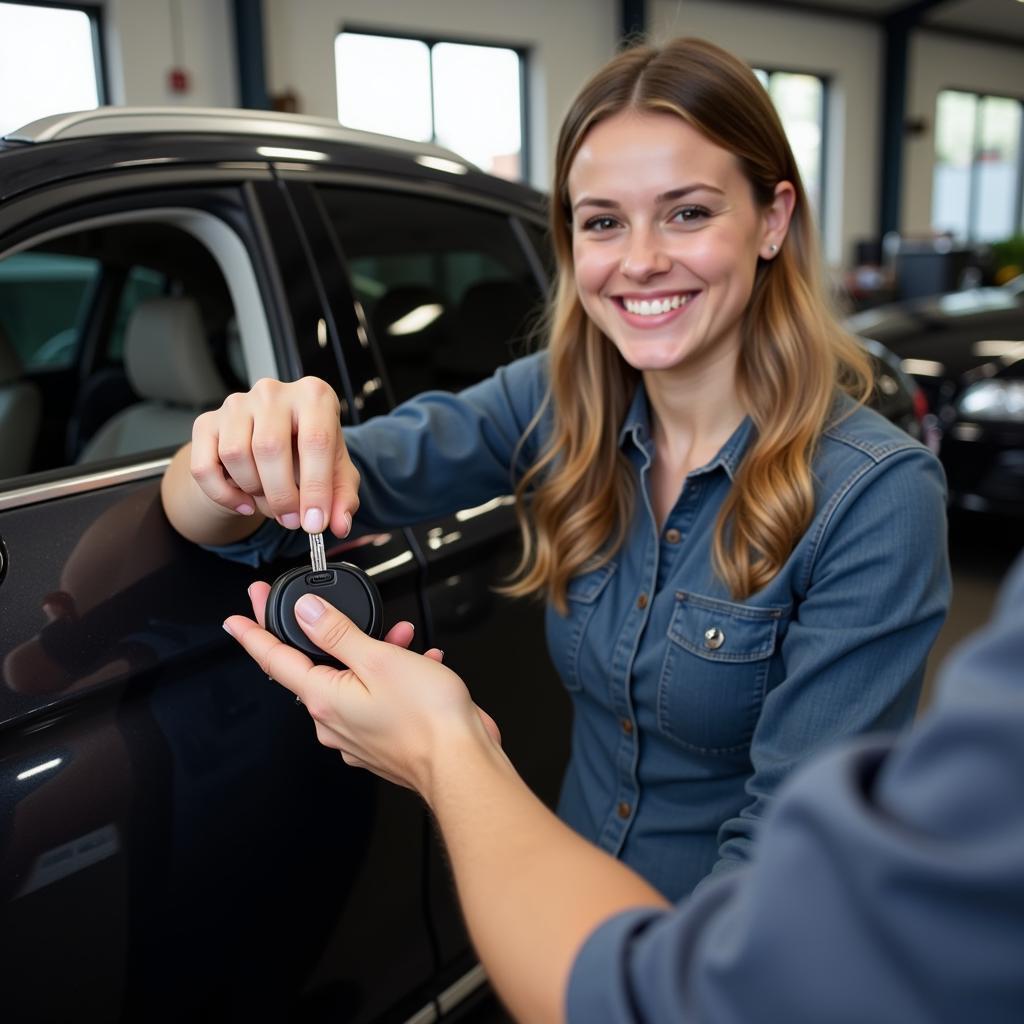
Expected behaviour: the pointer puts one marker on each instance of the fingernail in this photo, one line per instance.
(313, 521)
(244, 510)
(309, 607)
(227, 629)
(290, 520)
(347, 517)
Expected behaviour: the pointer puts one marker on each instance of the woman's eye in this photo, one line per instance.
(691, 214)
(599, 224)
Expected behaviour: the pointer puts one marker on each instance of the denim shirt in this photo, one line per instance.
(690, 707)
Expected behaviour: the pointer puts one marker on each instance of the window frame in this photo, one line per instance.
(1017, 225)
(521, 50)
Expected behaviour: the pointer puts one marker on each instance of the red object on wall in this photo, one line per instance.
(177, 80)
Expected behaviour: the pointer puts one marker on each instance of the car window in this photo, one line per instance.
(447, 290)
(43, 301)
(112, 340)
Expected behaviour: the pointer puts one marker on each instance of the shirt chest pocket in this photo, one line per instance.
(714, 674)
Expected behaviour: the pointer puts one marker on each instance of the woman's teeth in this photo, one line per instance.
(655, 307)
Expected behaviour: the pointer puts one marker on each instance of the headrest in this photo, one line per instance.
(10, 364)
(167, 356)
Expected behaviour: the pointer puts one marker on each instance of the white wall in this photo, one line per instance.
(940, 62)
(568, 40)
(140, 52)
(847, 52)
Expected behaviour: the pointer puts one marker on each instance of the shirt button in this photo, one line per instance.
(641, 602)
(624, 809)
(627, 726)
(713, 638)
(673, 536)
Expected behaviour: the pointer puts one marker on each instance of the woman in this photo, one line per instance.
(741, 561)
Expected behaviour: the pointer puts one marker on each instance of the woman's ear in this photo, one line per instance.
(776, 219)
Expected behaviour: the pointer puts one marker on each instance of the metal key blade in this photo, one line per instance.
(317, 555)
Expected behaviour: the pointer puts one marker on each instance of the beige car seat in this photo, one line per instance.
(168, 362)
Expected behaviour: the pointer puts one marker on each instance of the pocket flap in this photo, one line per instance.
(586, 588)
(723, 630)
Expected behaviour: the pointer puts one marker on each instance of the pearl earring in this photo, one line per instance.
(773, 248)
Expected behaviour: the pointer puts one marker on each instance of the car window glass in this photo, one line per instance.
(112, 340)
(446, 288)
(43, 301)
(140, 285)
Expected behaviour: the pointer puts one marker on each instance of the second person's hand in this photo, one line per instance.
(278, 449)
(392, 711)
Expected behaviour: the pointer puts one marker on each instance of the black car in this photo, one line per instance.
(966, 352)
(176, 846)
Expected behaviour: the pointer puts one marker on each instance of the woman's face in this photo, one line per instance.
(666, 239)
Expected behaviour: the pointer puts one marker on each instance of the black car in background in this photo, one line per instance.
(965, 350)
(175, 845)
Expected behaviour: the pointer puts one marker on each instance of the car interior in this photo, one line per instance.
(119, 337)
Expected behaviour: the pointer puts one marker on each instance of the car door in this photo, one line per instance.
(175, 844)
(443, 290)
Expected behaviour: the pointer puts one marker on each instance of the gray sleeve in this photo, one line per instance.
(888, 884)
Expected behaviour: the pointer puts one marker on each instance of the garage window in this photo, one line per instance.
(464, 96)
(978, 178)
(800, 101)
(49, 62)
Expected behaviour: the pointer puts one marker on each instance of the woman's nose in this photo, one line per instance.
(644, 256)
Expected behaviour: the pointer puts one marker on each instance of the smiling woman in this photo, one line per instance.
(741, 562)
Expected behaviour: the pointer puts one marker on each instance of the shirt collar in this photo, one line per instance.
(636, 426)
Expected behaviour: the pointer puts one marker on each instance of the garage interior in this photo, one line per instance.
(908, 116)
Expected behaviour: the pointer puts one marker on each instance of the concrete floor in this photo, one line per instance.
(981, 551)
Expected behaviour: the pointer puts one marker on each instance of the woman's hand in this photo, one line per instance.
(278, 449)
(391, 711)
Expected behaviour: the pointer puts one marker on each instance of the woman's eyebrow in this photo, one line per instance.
(679, 193)
(664, 197)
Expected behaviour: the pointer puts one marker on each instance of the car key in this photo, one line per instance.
(341, 584)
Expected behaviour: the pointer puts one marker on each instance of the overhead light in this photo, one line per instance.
(923, 367)
(440, 164)
(282, 153)
(998, 349)
(416, 319)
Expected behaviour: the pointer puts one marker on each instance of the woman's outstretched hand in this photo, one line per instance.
(278, 449)
(392, 711)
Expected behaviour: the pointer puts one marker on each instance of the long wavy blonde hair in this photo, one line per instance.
(575, 502)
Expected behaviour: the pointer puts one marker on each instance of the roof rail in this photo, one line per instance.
(81, 124)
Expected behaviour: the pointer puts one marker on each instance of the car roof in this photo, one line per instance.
(94, 141)
(78, 124)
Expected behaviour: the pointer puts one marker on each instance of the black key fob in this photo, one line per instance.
(341, 584)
